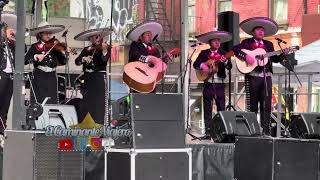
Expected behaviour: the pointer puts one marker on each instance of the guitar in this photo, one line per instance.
(261, 57)
(142, 77)
(213, 64)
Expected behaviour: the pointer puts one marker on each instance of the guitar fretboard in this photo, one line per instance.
(273, 53)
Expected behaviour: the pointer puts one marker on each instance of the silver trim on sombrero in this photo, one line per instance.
(47, 28)
(134, 37)
(83, 36)
(270, 26)
(224, 36)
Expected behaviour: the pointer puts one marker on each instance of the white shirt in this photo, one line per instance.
(8, 68)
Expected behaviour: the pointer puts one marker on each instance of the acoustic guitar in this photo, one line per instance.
(142, 77)
(261, 57)
(213, 64)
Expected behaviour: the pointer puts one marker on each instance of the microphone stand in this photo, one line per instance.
(163, 52)
(184, 72)
(287, 86)
(229, 67)
(67, 80)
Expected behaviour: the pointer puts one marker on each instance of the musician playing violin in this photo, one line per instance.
(209, 61)
(45, 57)
(94, 59)
(7, 65)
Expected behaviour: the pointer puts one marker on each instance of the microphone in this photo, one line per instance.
(65, 32)
(196, 44)
(281, 41)
(155, 37)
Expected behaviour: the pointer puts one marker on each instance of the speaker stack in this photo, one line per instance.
(229, 21)
(156, 149)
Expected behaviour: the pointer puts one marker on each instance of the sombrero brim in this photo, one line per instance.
(84, 36)
(222, 35)
(47, 28)
(152, 26)
(269, 25)
(10, 19)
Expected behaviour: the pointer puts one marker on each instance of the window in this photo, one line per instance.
(224, 5)
(192, 16)
(279, 11)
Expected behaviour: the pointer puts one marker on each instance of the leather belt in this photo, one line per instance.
(46, 68)
(91, 71)
(260, 74)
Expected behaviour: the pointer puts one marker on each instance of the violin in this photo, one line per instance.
(55, 44)
(98, 48)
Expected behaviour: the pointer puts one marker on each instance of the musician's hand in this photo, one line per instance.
(205, 68)
(40, 57)
(152, 59)
(286, 51)
(87, 59)
(250, 60)
(223, 58)
(105, 46)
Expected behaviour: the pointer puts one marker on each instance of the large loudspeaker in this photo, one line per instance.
(229, 21)
(154, 164)
(156, 120)
(276, 159)
(228, 124)
(31, 155)
(305, 125)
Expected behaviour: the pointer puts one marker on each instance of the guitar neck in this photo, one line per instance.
(273, 53)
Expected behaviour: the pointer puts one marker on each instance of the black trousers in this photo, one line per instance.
(45, 85)
(95, 96)
(212, 91)
(257, 95)
(6, 89)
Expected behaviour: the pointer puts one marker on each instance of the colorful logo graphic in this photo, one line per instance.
(65, 144)
(80, 144)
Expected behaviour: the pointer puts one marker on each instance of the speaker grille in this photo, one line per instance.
(49, 163)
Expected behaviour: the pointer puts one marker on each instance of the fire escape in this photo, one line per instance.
(156, 10)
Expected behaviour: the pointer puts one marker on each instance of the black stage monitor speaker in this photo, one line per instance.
(276, 159)
(305, 125)
(142, 164)
(228, 124)
(229, 21)
(156, 120)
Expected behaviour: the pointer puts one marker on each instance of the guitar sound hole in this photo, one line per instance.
(259, 57)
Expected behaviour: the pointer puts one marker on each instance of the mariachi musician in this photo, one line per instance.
(141, 48)
(212, 62)
(6, 65)
(261, 76)
(94, 60)
(46, 55)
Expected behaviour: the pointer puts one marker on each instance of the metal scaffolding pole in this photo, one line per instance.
(184, 52)
(19, 112)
